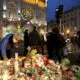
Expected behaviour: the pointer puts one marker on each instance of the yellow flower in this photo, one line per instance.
(33, 52)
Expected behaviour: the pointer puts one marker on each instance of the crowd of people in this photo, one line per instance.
(75, 40)
(55, 43)
(8, 43)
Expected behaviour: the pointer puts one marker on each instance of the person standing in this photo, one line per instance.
(55, 44)
(59, 44)
(26, 41)
(34, 38)
(50, 46)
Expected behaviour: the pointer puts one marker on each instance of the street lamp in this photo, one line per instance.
(68, 31)
(18, 26)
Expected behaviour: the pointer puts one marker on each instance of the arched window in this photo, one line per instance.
(12, 14)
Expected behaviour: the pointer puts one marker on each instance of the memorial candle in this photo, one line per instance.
(16, 64)
(5, 75)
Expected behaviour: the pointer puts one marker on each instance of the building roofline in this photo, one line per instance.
(69, 10)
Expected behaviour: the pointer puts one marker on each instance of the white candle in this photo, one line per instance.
(5, 76)
(16, 64)
(8, 62)
(16, 56)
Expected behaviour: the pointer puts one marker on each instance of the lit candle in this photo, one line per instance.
(5, 76)
(8, 62)
(16, 56)
(16, 64)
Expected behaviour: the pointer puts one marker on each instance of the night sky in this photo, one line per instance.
(52, 4)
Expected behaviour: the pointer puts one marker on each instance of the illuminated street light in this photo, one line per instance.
(18, 26)
(68, 31)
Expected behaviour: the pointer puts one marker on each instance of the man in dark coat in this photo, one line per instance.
(34, 39)
(26, 41)
(55, 44)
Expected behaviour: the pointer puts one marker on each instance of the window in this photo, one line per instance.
(4, 7)
(4, 14)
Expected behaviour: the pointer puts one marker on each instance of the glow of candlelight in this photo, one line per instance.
(16, 56)
(5, 76)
